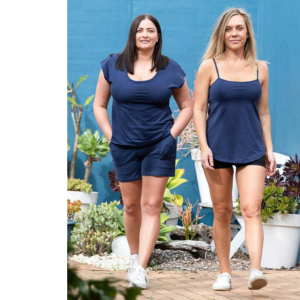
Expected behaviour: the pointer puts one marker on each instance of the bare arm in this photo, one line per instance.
(265, 119)
(100, 106)
(201, 89)
(185, 104)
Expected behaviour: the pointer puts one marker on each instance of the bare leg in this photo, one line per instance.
(250, 181)
(152, 194)
(220, 186)
(131, 195)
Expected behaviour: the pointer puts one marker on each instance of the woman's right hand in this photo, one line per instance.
(207, 158)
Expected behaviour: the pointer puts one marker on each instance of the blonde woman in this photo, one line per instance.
(232, 85)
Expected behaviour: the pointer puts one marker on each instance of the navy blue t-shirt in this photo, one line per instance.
(141, 113)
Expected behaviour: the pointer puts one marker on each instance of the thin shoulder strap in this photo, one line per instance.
(216, 67)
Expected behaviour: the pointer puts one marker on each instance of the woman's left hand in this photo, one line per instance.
(270, 163)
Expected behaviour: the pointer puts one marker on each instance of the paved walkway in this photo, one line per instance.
(180, 285)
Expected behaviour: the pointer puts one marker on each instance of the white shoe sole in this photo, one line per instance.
(140, 285)
(257, 283)
(221, 288)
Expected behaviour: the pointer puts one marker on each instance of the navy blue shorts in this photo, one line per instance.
(221, 165)
(157, 159)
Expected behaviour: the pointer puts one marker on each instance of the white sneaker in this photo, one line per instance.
(133, 261)
(223, 282)
(257, 280)
(139, 278)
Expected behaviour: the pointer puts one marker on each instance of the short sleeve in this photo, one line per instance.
(178, 75)
(105, 65)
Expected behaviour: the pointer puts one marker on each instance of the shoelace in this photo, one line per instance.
(221, 276)
(132, 263)
(138, 273)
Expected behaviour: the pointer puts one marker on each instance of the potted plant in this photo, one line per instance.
(79, 189)
(95, 229)
(120, 245)
(280, 217)
(95, 148)
(72, 209)
(76, 113)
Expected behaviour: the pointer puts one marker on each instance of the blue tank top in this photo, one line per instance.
(141, 113)
(233, 130)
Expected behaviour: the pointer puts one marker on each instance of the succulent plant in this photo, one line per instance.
(79, 186)
(76, 113)
(114, 184)
(282, 192)
(95, 229)
(72, 208)
(94, 147)
(292, 168)
(277, 179)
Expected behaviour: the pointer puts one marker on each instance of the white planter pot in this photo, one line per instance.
(120, 246)
(86, 198)
(173, 219)
(202, 182)
(281, 241)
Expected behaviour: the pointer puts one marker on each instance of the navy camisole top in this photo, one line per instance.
(233, 130)
(141, 114)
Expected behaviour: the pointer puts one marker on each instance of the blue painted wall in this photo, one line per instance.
(97, 28)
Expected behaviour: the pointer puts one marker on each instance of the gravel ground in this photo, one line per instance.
(181, 260)
(170, 260)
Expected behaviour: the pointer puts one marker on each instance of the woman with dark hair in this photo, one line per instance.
(143, 134)
(232, 85)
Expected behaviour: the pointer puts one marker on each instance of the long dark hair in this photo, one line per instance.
(129, 54)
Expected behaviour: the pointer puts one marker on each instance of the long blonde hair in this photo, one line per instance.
(217, 45)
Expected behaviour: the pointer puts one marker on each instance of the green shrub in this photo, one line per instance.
(95, 228)
(274, 202)
(79, 186)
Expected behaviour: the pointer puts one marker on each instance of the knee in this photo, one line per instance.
(131, 209)
(152, 208)
(223, 214)
(251, 211)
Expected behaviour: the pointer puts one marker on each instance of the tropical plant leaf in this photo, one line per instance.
(83, 77)
(73, 102)
(164, 217)
(88, 100)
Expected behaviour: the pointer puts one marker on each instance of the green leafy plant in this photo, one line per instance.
(94, 147)
(105, 289)
(164, 229)
(185, 215)
(79, 186)
(76, 113)
(281, 192)
(173, 182)
(95, 228)
(73, 208)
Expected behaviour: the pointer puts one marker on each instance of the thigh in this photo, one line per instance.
(250, 181)
(131, 192)
(153, 188)
(220, 186)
